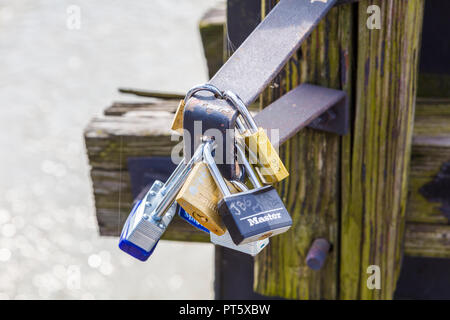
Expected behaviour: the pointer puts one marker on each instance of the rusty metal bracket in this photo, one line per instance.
(321, 108)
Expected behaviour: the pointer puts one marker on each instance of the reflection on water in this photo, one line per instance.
(54, 79)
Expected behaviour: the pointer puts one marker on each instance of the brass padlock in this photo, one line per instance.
(177, 122)
(267, 161)
(199, 197)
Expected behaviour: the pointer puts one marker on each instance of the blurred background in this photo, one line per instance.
(56, 74)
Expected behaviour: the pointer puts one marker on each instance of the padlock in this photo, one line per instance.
(199, 197)
(150, 217)
(252, 215)
(252, 248)
(177, 122)
(141, 234)
(268, 161)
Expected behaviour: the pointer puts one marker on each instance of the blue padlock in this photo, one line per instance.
(189, 219)
(150, 217)
(141, 233)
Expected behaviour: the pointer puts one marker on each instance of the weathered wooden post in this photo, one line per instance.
(351, 191)
(375, 180)
(311, 192)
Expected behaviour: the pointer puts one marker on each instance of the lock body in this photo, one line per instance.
(142, 231)
(212, 117)
(199, 197)
(252, 248)
(177, 122)
(254, 215)
(268, 162)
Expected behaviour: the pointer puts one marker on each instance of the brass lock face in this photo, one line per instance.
(177, 122)
(269, 164)
(199, 197)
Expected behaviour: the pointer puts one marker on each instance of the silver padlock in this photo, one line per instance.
(150, 217)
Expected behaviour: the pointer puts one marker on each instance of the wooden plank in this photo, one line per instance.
(430, 155)
(110, 140)
(427, 240)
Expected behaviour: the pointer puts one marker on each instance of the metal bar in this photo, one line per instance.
(244, 16)
(299, 107)
(251, 68)
(209, 160)
(264, 53)
(248, 168)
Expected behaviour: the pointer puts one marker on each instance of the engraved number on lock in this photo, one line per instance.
(243, 205)
(269, 202)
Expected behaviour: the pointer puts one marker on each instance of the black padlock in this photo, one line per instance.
(208, 115)
(252, 215)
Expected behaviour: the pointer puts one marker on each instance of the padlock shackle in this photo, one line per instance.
(239, 185)
(203, 87)
(240, 125)
(248, 168)
(240, 106)
(174, 174)
(176, 181)
(213, 169)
